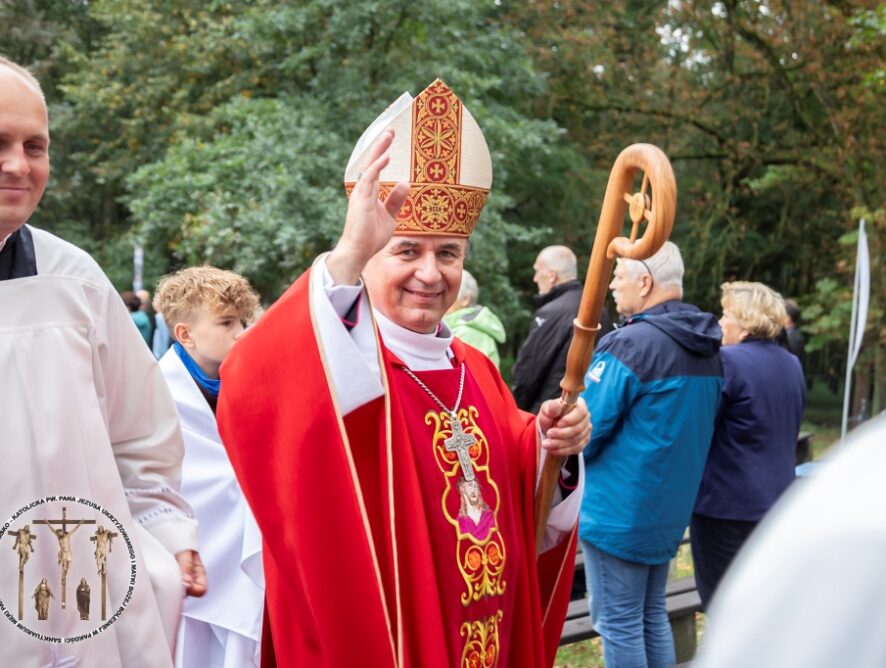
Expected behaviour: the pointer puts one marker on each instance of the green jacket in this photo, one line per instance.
(479, 327)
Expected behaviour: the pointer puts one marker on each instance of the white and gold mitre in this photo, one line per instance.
(440, 151)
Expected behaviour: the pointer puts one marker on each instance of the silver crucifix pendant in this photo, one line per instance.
(460, 443)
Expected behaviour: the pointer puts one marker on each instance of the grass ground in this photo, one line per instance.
(824, 410)
(822, 418)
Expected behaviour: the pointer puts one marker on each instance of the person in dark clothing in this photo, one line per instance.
(147, 308)
(791, 337)
(753, 450)
(139, 318)
(541, 360)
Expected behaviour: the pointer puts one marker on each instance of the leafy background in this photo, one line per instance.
(213, 131)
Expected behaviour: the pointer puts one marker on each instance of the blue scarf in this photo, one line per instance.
(204, 381)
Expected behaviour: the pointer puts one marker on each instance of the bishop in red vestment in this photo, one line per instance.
(389, 469)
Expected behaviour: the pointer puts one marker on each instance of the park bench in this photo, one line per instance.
(682, 602)
(681, 598)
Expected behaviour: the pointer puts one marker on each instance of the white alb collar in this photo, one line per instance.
(421, 352)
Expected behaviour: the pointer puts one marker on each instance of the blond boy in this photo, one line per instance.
(206, 310)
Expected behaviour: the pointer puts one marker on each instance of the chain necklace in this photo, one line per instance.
(461, 387)
(460, 442)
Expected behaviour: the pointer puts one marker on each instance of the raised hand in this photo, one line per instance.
(369, 223)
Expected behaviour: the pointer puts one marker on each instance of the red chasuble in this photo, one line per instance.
(381, 547)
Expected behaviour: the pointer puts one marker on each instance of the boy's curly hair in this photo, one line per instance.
(190, 291)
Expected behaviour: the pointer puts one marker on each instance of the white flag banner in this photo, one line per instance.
(862, 290)
(861, 296)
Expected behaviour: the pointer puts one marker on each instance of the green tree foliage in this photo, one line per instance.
(217, 131)
(760, 105)
(229, 124)
(771, 112)
(47, 37)
(261, 197)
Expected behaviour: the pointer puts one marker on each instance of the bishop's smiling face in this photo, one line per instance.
(414, 280)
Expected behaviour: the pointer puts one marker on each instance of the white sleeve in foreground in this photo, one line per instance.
(351, 355)
(807, 587)
(144, 430)
(564, 512)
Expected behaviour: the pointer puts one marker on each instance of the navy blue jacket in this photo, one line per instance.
(753, 451)
(652, 390)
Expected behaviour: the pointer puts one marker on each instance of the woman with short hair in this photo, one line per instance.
(753, 450)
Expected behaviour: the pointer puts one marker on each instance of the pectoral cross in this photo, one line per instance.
(65, 555)
(23, 538)
(460, 443)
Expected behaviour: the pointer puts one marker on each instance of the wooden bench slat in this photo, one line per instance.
(680, 605)
(682, 601)
(680, 585)
(579, 607)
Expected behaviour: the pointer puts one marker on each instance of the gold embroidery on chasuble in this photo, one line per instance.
(481, 642)
(480, 547)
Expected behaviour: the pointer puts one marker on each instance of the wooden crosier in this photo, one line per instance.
(608, 245)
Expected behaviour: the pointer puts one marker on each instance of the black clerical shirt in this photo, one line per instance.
(17, 258)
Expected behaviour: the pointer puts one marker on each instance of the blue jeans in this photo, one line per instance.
(627, 605)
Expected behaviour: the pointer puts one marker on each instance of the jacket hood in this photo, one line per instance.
(479, 318)
(694, 329)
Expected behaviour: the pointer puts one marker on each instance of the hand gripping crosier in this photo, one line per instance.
(658, 212)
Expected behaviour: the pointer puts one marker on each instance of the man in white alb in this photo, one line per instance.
(86, 412)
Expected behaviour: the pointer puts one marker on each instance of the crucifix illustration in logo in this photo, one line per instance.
(65, 557)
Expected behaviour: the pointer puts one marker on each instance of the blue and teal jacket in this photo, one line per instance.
(652, 389)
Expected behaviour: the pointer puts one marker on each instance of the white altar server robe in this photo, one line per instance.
(223, 628)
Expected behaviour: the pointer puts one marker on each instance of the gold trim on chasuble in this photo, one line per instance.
(437, 203)
(396, 645)
(480, 550)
